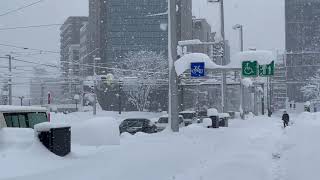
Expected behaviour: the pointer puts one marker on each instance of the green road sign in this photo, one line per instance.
(249, 68)
(266, 70)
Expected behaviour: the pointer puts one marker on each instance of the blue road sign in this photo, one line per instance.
(197, 69)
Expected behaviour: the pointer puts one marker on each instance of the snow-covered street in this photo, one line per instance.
(257, 148)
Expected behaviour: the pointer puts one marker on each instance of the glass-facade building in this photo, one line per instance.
(132, 25)
(302, 44)
(138, 25)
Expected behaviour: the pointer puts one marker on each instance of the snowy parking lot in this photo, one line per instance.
(257, 148)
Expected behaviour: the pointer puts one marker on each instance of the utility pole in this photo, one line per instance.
(119, 96)
(10, 79)
(42, 94)
(224, 59)
(172, 48)
(95, 86)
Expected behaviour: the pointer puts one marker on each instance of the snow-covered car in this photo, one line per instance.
(22, 116)
(134, 125)
(163, 122)
(201, 116)
(189, 117)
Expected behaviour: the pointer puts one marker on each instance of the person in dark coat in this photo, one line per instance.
(285, 119)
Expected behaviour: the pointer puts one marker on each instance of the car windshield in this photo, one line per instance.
(133, 123)
(163, 120)
(188, 115)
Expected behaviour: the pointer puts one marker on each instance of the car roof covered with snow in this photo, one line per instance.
(167, 116)
(7, 108)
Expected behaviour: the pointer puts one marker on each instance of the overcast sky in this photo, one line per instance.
(263, 22)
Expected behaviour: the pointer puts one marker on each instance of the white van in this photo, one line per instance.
(22, 116)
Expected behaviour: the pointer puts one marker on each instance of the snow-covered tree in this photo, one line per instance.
(312, 89)
(142, 73)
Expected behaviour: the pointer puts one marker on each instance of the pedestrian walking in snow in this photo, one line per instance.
(285, 119)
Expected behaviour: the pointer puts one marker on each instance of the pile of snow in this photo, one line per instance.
(224, 115)
(212, 112)
(207, 122)
(184, 63)
(247, 82)
(17, 138)
(308, 103)
(46, 126)
(262, 56)
(100, 131)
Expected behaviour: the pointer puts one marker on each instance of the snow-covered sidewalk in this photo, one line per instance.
(242, 151)
(299, 149)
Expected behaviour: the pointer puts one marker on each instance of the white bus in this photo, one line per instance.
(22, 116)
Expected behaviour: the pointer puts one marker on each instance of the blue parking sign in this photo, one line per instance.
(197, 69)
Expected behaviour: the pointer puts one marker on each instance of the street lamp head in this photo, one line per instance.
(237, 26)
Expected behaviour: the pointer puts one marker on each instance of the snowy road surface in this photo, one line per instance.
(255, 149)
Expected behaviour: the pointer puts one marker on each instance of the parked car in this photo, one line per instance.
(22, 116)
(134, 125)
(163, 122)
(202, 115)
(189, 117)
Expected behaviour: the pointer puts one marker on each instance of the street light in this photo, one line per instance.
(240, 28)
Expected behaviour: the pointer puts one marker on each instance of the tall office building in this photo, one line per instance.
(70, 37)
(302, 44)
(70, 53)
(121, 26)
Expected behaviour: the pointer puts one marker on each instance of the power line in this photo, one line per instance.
(20, 8)
(27, 48)
(31, 26)
(30, 62)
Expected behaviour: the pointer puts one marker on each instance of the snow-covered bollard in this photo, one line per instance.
(55, 137)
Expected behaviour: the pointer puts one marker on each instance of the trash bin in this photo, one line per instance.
(215, 121)
(56, 138)
(224, 122)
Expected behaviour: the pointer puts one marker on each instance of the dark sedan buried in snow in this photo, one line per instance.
(134, 125)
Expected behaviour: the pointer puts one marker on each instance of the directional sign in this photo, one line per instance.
(197, 69)
(266, 70)
(250, 69)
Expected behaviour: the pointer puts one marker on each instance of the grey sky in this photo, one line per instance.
(263, 21)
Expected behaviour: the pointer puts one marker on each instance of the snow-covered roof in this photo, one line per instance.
(189, 42)
(185, 112)
(262, 56)
(183, 64)
(6, 108)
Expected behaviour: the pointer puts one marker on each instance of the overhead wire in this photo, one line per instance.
(30, 26)
(20, 8)
(28, 48)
